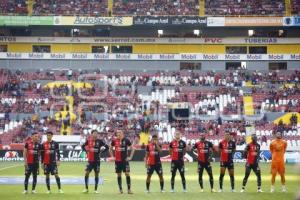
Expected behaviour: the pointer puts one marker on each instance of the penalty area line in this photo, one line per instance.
(9, 167)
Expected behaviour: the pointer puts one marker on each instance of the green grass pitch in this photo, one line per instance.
(138, 173)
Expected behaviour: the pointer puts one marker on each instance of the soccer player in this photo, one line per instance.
(227, 148)
(204, 150)
(118, 151)
(278, 148)
(177, 149)
(252, 151)
(50, 160)
(153, 162)
(31, 154)
(94, 147)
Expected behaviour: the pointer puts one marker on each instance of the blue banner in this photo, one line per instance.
(291, 21)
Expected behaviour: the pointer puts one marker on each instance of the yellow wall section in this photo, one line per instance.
(212, 49)
(73, 48)
(161, 48)
(152, 48)
(284, 49)
(60, 48)
(81, 48)
(22, 48)
(178, 48)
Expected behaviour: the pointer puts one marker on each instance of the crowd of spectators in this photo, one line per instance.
(155, 7)
(295, 5)
(73, 7)
(244, 7)
(285, 99)
(24, 92)
(13, 7)
(149, 7)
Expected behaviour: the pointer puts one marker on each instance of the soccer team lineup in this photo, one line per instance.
(47, 154)
(150, 99)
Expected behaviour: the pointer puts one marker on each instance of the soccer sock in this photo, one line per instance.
(48, 182)
(200, 180)
(173, 180)
(221, 181)
(161, 185)
(96, 182)
(86, 180)
(120, 182)
(282, 176)
(232, 181)
(147, 185)
(211, 180)
(183, 180)
(34, 181)
(26, 181)
(57, 178)
(247, 173)
(128, 181)
(258, 176)
(273, 178)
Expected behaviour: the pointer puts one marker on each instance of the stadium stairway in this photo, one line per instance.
(110, 6)
(144, 138)
(286, 118)
(288, 8)
(30, 4)
(202, 8)
(248, 105)
(63, 114)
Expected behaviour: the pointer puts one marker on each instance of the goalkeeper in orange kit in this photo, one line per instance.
(278, 148)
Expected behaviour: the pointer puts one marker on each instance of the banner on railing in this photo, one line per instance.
(195, 21)
(171, 57)
(253, 21)
(170, 20)
(91, 21)
(25, 20)
(291, 21)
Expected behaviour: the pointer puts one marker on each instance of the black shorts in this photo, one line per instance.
(177, 165)
(204, 165)
(157, 168)
(255, 167)
(122, 166)
(228, 165)
(93, 166)
(50, 169)
(32, 168)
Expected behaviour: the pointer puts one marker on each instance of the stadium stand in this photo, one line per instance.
(245, 7)
(149, 7)
(295, 5)
(75, 7)
(15, 7)
(158, 7)
(134, 98)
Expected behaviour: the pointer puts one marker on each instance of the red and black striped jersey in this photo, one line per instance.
(33, 152)
(50, 152)
(204, 149)
(121, 148)
(178, 150)
(252, 151)
(153, 154)
(93, 149)
(227, 149)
